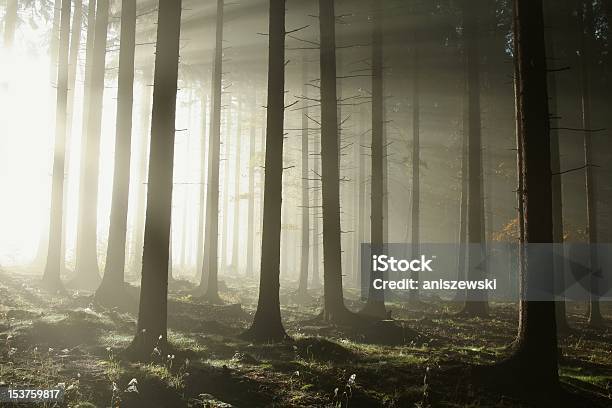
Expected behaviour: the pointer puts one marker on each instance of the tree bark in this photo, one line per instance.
(114, 271)
(476, 305)
(87, 270)
(251, 210)
(153, 310)
(51, 277)
(464, 196)
(141, 188)
(555, 163)
(315, 282)
(585, 27)
(202, 200)
(305, 244)
(226, 192)
(534, 361)
(210, 265)
(54, 43)
(375, 305)
(416, 166)
(10, 23)
(75, 45)
(267, 324)
(334, 308)
(237, 178)
(360, 159)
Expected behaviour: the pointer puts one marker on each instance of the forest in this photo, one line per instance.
(306, 203)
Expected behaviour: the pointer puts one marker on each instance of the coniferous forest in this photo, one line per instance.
(198, 197)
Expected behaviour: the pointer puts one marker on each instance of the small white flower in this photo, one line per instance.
(351, 380)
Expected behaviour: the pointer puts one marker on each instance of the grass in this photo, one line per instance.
(49, 340)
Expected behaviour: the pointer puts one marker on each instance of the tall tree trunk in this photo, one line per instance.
(141, 187)
(153, 311)
(305, 227)
(237, 178)
(51, 277)
(555, 163)
(416, 166)
(267, 324)
(334, 308)
(54, 43)
(226, 191)
(262, 183)
(315, 282)
(376, 298)
(89, 51)
(10, 23)
(464, 197)
(285, 245)
(534, 361)
(251, 210)
(585, 26)
(361, 180)
(43, 243)
(476, 305)
(202, 200)
(114, 271)
(87, 272)
(75, 45)
(210, 265)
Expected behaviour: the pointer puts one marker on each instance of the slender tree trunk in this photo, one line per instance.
(585, 26)
(285, 239)
(476, 305)
(114, 271)
(141, 188)
(226, 191)
(43, 243)
(89, 51)
(376, 298)
(51, 277)
(237, 178)
(416, 166)
(334, 308)
(251, 210)
(87, 272)
(464, 197)
(267, 323)
(534, 361)
(75, 45)
(555, 162)
(305, 244)
(10, 23)
(210, 266)
(362, 221)
(153, 312)
(262, 174)
(315, 282)
(202, 210)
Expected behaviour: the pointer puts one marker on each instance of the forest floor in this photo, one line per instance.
(46, 340)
